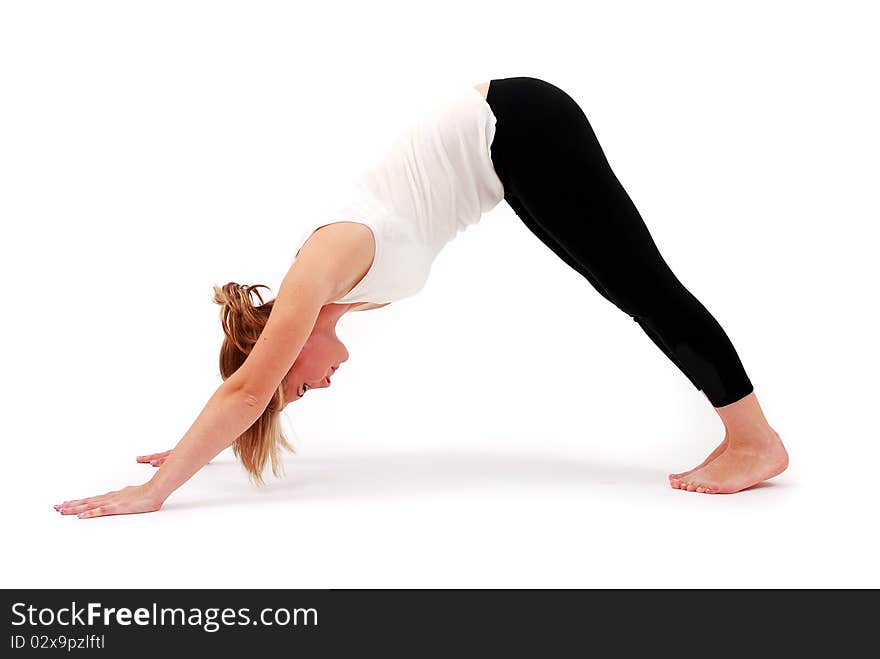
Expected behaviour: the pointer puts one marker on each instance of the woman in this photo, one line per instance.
(518, 139)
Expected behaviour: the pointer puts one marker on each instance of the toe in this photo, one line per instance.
(700, 489)
(691, 487)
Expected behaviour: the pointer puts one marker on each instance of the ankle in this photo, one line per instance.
(745, 416)
(756, 436)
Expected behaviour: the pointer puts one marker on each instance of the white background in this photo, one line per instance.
(507, 426)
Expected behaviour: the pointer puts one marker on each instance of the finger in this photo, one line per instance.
(152, 456)
(75, 510)
(158, 462)
(76, 502)
(79, 502)
(100, 511)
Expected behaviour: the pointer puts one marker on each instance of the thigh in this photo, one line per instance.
(587, 213)
(553, 244)
(557, 174)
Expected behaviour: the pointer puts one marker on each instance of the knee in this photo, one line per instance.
(658, 305)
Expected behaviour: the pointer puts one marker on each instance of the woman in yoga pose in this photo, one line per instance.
(523, 140)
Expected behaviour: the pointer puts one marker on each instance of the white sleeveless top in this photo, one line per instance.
(434, 181)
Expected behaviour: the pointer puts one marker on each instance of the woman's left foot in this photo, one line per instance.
(744, 463)
(714, 454)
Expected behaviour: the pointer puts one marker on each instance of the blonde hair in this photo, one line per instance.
(243, 321)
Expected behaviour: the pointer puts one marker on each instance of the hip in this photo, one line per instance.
(541, 132)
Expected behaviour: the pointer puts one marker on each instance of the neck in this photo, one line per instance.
(330, 315)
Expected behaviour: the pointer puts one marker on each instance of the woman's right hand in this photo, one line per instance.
(127, 501)
(155, 459)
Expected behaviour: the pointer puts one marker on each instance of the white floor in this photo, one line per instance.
(508, 510)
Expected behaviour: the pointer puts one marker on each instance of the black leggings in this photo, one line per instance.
(558, 181)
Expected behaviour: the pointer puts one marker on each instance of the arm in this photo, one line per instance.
(231, 410)
(241, 399)
(321, 272)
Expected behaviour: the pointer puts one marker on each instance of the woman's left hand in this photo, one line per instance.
(127, 501)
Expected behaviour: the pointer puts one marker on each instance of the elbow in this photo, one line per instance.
(249, 399)
(252, 401)
(251, 392)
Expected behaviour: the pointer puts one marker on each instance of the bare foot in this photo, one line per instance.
(745, 462)
(714, 454)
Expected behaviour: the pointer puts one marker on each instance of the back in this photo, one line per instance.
(433, 181)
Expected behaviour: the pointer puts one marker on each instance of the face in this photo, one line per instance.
(320, 357)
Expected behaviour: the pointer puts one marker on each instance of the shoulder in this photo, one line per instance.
(338, 235)
(339, 253)
(343, 232)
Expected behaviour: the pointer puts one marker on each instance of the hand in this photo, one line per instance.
(127, 501)
(155, 459)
